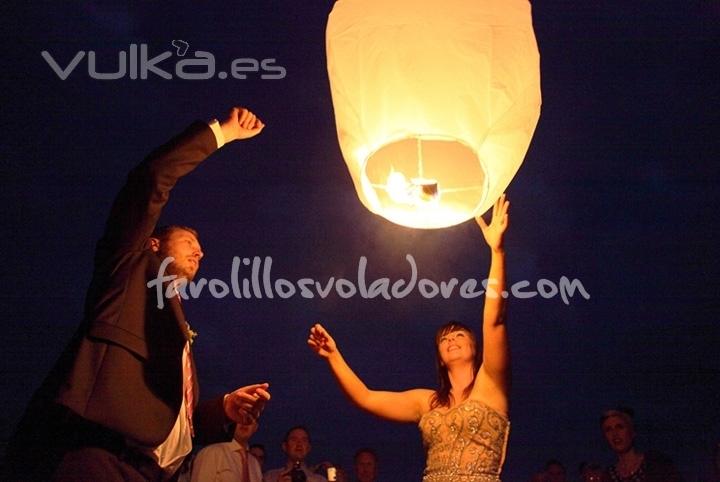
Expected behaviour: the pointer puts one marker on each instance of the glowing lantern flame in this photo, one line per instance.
(417, 191)
(447, 96)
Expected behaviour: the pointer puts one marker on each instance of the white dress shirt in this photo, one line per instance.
(169, 455)
(274, 475)
(223, 463)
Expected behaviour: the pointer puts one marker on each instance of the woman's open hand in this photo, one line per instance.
(321, 342)
(493, 232)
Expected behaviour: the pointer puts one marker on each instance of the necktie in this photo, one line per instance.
(188, 386)
(245, 470)
(187, 368)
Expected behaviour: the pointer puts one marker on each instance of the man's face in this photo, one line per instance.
(185, 248)
(245, 429)
(619, 434)
(365, 467)
(297, 445)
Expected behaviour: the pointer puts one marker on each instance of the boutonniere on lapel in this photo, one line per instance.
(190, 334)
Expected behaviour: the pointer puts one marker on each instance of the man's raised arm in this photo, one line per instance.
(138, 205)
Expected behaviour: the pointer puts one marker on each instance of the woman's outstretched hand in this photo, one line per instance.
(493, 232)
(321, 342)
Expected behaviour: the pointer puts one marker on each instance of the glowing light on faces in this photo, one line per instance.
(453, 338)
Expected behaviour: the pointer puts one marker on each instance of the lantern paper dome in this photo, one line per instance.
(435, 102)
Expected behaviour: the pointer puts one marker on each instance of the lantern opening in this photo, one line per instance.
(425, 181)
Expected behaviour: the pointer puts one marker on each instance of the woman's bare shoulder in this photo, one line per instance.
(490, 393)
(423, 398)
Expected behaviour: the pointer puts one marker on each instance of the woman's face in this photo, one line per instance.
(619, 433)
(456, 345)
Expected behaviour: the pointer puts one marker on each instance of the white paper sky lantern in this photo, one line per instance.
(435, 102)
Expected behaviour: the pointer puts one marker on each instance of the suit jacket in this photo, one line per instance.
(122, 370)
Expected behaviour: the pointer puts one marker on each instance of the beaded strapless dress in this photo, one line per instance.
(464, 444)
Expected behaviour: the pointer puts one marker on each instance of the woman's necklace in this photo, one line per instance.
(626, 469)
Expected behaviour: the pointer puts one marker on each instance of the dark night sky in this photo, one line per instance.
(618, 190)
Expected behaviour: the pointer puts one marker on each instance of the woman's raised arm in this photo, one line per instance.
(407, 406)
(496, 352)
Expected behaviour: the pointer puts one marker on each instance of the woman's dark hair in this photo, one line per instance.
(442, 396)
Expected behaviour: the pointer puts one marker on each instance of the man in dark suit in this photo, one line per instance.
(121, 402)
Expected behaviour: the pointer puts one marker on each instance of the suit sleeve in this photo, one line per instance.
(210, 422)
(138, 205)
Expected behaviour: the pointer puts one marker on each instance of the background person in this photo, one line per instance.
(229, 461)
(365, 465)
(258, 451)
(296, 445)
(632, 465)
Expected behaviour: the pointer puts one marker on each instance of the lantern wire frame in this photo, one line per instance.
(419, 199)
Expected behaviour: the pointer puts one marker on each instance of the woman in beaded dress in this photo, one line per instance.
(464, 422)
